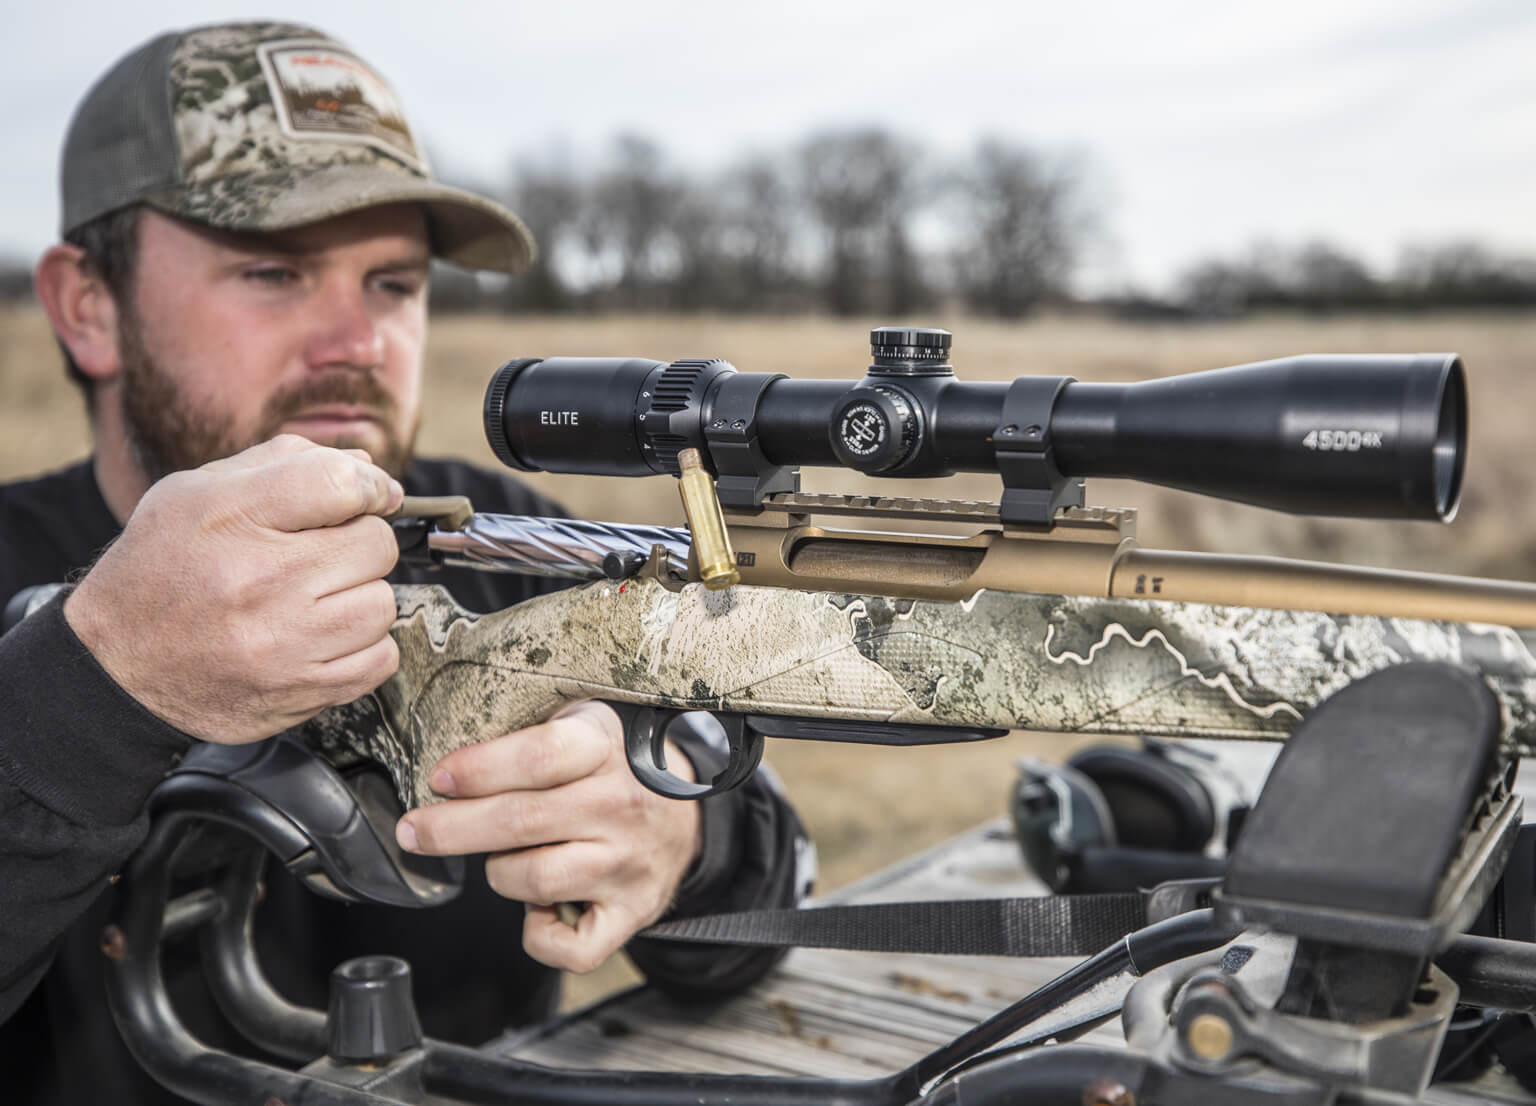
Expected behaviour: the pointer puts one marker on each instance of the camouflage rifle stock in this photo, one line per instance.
(911, 639)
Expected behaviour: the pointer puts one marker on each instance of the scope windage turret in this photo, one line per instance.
(1375, 436)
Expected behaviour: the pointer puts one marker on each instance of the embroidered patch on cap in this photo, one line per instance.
(324, 93)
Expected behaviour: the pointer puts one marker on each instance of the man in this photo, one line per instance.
(241, 294)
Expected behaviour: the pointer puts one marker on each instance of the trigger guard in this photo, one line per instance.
(645, 731)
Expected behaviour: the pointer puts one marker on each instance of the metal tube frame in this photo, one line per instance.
(439, 1071)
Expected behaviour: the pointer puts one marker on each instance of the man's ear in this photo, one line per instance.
(81, 309)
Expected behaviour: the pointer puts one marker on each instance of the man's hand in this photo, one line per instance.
(245, 596)
(565, 821)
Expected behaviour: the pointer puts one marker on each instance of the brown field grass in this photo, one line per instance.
(867, 807)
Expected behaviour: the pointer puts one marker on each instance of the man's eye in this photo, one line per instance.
(403, 287)
(271, 274)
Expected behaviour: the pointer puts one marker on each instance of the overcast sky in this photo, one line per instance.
(1207, 124)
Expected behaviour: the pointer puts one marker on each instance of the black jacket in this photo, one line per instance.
(78, 756)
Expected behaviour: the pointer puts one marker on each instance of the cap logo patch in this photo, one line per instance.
(322, 93)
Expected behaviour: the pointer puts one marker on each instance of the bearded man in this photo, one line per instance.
(240, 292)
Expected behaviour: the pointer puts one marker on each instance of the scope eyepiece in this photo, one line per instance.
(1373, 436)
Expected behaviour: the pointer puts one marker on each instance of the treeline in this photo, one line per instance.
(867, 221)
(1320, 277)
(859, 221)
(846, 222)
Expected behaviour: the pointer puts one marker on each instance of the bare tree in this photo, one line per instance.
(1214, 289)
(548, 193)
(1022, 228)
(758, 219)
(861, 188)
(700, 279)
(1466, 274)
(1325, 278)
(630, 224)
(1266, 276)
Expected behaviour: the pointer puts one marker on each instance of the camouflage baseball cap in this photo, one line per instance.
(264, 127)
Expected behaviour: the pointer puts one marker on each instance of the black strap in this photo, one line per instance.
(1054, 925)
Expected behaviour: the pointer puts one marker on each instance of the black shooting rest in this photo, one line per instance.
(1323, 973)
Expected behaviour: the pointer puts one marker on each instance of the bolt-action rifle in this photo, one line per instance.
(1048, 617)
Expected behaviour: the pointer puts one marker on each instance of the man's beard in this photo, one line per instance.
(168, 433)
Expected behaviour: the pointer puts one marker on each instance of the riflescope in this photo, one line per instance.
(1367, 435)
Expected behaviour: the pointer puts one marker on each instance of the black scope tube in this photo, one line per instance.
(1370, 436)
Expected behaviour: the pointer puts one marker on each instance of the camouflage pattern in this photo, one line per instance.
(236, 158)
(998, 659)
(271, 126)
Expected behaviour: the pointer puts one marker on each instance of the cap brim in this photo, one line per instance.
(464, 228)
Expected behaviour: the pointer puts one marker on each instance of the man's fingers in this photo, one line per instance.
(358, 673)
(339, 558)
(511, 820)
(576, 871)
(350, 621)
(598, 934)
(275, 449)
(318, 487)
(570, 746)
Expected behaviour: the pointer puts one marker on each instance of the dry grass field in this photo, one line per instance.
(868, 807)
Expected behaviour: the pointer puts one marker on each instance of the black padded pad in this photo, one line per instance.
(1367, 802)
(335, 833)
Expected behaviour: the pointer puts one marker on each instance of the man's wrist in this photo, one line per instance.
(93, 751)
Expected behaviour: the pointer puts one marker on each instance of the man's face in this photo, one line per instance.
(232, 339)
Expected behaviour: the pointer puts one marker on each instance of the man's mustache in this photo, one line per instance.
(338, 389)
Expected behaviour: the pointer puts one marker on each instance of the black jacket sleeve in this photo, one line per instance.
(72, 790)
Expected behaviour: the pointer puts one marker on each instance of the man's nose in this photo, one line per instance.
(345, 332)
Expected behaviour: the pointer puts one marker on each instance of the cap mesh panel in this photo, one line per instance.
(121, 144)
